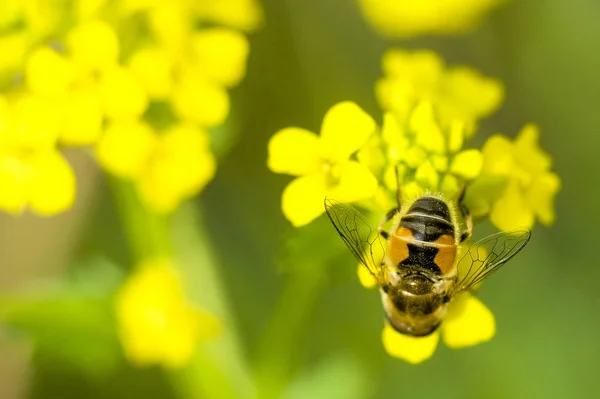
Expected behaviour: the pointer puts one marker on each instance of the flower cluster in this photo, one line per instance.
(410, 18)
(156, 323)
(141, 82)
(430, 111)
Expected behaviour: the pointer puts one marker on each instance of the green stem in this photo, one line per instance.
(284, 336)
(146, 231)
(218, 370)
(221, 371)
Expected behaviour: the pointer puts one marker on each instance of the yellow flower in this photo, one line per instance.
(516, 186)
(157, 325)
(196, 99)
(42, 181)
(245, 15)
(125, 148)
(468, 322)
(93, 45)
(221, 55)
(409, 18)
(458, 93)
(180, 167)
(423, 156)
(323, 162)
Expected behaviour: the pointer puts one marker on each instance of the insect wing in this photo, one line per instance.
(365, 243)
(488, 255)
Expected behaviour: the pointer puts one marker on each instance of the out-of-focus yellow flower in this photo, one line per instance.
(123, 97)
(407, 18)
(221, 55)
(196, 99)
(153, 68)
(179, 167)
(245, 15)
(32, 173)
(323, 162)
(126, 147)
(516, 186)
(157, 325)
(458, 93)
(468, 322)
(48, 73)
(93, 45)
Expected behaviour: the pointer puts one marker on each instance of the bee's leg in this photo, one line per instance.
(388, 216)
(466, 215)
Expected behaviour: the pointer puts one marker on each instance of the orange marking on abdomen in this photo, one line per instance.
(399, 245)
(446, 253)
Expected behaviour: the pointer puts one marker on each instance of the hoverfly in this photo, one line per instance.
(416, 263)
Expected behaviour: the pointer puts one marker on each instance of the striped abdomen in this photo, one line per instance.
(425, 238)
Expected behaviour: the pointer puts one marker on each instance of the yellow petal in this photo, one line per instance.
(449, 186)
(153, 68)
(52, 185)
(468, 322)
(528, 152)
(346, 127)
(180, 167)
(429, 136)
(221, 53)
(540, 196)
(365, 277)
(123, 97)
(427, 176)
(356, 183)
(125, 148)
(245, 15)
(294, 151)
(412, 349)
(302, 200)
(467, 164)
(498, 156)
(47, 72)
(198, 100)
(456, 136)
(510, 212)
(94, 45)
(15, 174)
(82, 124)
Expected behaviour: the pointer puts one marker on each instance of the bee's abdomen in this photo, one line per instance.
(425, 237)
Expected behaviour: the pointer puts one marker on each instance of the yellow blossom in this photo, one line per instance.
(424, 156)
(180, 167)
(322, 163)
(47, 73)
(458, 93)
(125, 148)
(245, 15)
(157, 325)
(409, 18)
(42, 181)
(83, 117)
(123, 97)
(221, 55)
(516, 186)
(196, 99)
(468, 322)
(153, 69)
(94, 45)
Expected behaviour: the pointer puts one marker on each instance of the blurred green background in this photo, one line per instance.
(308, 56)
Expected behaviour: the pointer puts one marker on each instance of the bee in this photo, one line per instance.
(416, 262)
